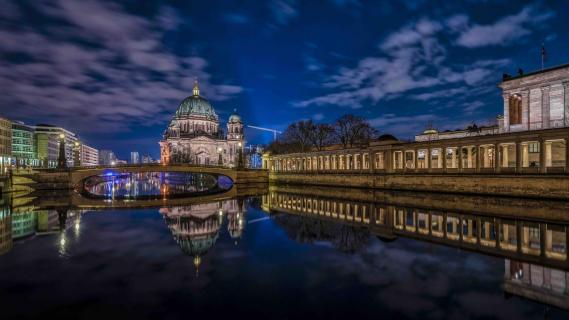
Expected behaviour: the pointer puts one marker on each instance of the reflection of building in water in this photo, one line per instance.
(535, 282)
(196, 227)
(41, 222)
(235, 218)
(5, 230)
(517, 238)
(23, 224)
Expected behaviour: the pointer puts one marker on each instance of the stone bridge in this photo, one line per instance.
(73, 178)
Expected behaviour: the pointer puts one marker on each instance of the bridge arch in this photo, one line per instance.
(78, 176)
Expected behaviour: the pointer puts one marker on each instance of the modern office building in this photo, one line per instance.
(134, 157)
(48, 138)
(24, 150)
(5, 144)
(107, 157)
(89, 155)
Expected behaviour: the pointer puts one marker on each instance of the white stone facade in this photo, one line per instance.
(544, 97)
(194, 135)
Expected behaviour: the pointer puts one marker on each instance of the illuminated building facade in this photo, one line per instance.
(5, 144)
(194, 135)
(23, 144)
(47, 142)
(89, 155)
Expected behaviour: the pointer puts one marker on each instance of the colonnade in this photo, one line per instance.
(530, 155)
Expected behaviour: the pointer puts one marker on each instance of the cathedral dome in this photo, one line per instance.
(195, 105)
(235, 118)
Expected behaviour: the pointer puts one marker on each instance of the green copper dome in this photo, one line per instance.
(195, 105)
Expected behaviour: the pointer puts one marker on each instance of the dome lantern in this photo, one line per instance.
(196, 88)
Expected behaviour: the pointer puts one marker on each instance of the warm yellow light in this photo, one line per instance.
(61, 136)
(239, 144)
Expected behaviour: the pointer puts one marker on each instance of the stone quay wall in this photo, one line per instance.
(536, 186)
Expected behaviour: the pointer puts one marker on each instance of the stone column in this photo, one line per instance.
(518, 157)
(469, 157)
(459, 154)
(415, 159)
(567, 156)
(542, 229)
(542, 166)
(548, 154)
(566, 103)
(444, 158)
(477, 158)
(545, 107)
(506, 97)
(525, 109)
(496, 157)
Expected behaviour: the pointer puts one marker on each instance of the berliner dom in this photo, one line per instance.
(196, 228)
(194, 135)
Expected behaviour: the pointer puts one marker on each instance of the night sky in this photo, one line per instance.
(114, 73)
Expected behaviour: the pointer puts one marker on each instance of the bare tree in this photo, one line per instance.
(322, 135)
(351, 130)
(299, 133)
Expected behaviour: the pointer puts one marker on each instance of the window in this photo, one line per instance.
(533, 147)
(515, 109)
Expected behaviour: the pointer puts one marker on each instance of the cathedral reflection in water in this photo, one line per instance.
(196, 227)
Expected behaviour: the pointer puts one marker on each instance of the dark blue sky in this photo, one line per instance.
(114, 72)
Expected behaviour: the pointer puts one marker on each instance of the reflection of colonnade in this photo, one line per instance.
(196, 227)
(535, 282)
(525, 240)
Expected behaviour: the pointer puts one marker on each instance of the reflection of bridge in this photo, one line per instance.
(72, 178)
(72, 200)
(474, 224)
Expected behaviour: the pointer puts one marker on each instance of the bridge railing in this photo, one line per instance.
(154, 165)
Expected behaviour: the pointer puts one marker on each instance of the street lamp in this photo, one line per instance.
(77, 154)
(219, 160)
(240, 159)
(61, 159)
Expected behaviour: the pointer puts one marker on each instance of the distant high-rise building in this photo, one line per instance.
(107, 157)
(147, 159)
(134, 157)
(5, 144)
(89, 156)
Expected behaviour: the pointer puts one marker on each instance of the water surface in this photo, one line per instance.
(277, 255)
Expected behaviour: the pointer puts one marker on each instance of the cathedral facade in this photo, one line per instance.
(195, 136)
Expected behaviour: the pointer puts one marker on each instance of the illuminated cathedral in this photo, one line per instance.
(194, 135)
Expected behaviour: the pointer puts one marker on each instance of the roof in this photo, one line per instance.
(536, 72)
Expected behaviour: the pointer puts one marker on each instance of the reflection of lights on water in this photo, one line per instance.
(62, 245)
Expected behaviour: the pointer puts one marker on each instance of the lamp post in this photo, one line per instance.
(77, 154)
(220, 159)
(61, 160)
(240, 158)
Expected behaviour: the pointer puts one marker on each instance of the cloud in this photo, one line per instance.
(282, 12)
(236, 18)
(109, 66)
(318, 116)
(411, 59)
(503, 32)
